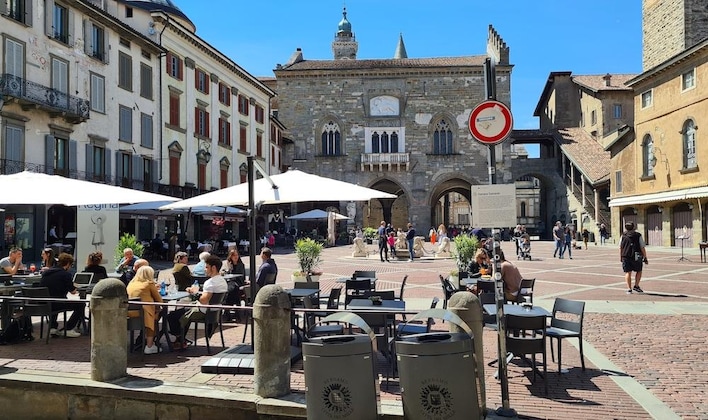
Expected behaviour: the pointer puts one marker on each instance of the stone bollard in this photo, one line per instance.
(271, 342)
(109, 312)
(466, 305)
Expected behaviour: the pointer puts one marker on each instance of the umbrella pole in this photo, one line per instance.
(252, 238)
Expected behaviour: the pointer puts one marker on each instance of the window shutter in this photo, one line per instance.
(70, 31)
(137, 168)
(196, 78)
(168, 66)
(207, 82)
(206, 123)
(73, 156)
(3, 7)
(13, 144)
(106, 47)
(154, 166)
(107, 161)
(49, 151)
(181, 69)
(49, 18)
(119, 168)
(196, 120)
(28, 13)
(88, 37)
(89, 161)
(228, 133)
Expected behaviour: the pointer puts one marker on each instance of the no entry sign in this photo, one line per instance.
(491, 122)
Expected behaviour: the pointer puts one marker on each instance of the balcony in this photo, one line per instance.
(385, 161)
(33, 95)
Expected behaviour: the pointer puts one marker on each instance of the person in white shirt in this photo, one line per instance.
(214, 287)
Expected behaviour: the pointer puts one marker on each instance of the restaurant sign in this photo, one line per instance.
(493, 206)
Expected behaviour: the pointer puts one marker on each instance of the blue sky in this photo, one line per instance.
(585, 37)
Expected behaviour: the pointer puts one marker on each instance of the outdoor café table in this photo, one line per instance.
(228, 277)
(173, 297)
(368, 305)
(344, 280)
(518, 310)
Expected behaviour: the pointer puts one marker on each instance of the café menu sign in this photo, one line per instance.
(493, 206)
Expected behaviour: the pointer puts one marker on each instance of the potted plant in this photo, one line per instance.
(127, 241)
(307, 252)
(465, 249)
(369, 235)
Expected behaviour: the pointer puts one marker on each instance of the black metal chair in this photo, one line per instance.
(448, 289)
(526, 335)
(411, 328)
(211, 321)
(355, 289)
(563, 327)
(42, 309)
(312, 330)
(526, 291)
(367, 274)
(136, 323)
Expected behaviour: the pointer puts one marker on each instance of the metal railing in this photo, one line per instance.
(46, 98)
(388, 159)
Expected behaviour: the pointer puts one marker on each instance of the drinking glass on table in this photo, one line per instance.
(32, 268)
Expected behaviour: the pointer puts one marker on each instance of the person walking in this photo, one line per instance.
(603, 233)
(558, 237)
(383, 242)
(632, 254)
(586, 235)
(567, 242)
(410, 235)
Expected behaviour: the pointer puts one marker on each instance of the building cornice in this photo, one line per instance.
(677, 59)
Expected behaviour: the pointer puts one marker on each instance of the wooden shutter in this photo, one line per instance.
(206, 124)
(89, 162)
(70, 30)
(107, 162)
(73, 157)
(119, 168)
(168, 65)
(154, 166)
(49, 18)
(88, 37)
(3, 7)
(49, 151)
(196, 120)
(28, 12)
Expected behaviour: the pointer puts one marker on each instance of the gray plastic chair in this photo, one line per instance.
(563, 328)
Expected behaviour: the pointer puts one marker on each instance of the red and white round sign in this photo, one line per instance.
(491, 122)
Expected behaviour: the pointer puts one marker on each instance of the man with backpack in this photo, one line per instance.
(632, 254)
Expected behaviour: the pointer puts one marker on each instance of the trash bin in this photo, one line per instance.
(340, 378)
(591, 237)
(438, 376)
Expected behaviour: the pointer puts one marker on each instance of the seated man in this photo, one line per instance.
(13, 262)
(200, 268)
(59, 281)
(180, 319)
(128, 275)
(127, 262)
(267, 267)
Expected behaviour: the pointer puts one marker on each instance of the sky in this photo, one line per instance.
(585, 37)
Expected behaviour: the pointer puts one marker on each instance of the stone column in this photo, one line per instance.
(271, 343)
(109, 312)
(466, 305)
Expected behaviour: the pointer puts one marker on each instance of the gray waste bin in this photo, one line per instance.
(339, 378)
(437, 376)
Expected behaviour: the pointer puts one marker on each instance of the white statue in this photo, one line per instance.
(351, 210)
(443, 250)
(418, 249)
(401, 242)
(359, 248)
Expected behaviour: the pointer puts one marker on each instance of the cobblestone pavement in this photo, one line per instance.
(644, 352)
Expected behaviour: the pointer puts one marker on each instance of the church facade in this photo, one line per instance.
(397, 124)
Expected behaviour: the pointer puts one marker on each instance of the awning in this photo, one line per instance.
(661, 197)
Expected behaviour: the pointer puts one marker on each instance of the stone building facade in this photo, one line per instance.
(398, 125)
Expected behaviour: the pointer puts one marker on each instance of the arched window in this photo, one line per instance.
(689, 144)
(331, 139)
(394, 142)
(648, 159)
(384, 142)
(375, 143)
(523, 209)
(442, 138)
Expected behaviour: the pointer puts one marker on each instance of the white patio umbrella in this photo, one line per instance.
(36, 188)
(153, 209)
(318, 214)
(292, 186)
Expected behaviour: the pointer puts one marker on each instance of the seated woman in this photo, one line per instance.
(93, 265)
(143, 286)
(200, 268)
(480, 265)
(48, 260)
(234, 265)
(180, 271)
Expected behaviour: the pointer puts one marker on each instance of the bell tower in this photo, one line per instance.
(669, 27)
(344, 46)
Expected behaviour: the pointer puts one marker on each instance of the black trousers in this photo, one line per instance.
(78, 312)
(383, 249)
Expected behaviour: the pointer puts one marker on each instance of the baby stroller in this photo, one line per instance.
(524, 247)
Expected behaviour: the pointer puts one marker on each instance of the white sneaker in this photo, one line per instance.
(150, 350)
(53, 331)
(70, 333)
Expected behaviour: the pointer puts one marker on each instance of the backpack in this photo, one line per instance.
(629, 245)
(19, 329)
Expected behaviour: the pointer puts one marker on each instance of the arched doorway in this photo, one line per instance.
(628, 215)
(450, 204)
(394, 211)
(682, 225)
(653, 226)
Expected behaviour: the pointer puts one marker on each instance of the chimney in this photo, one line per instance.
(607, 78)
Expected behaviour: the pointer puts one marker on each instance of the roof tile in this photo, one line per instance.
(585, 152)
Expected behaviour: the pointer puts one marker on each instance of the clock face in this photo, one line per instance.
(384, 106)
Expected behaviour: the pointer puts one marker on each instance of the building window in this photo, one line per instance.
(201, 121)
(13, 145)
(201, 81)
(522, 213)
(331, 139)
(145, 81)
(242, 105)
(14, 60)
(175, 154)
(689, 144)
(60, 79)
(128, 12)
(259, 144)
(618, 181)
(442, 138)
(61, 156)
(243, 139)
(224, 94)
(96, 45)
(147, 174)
(19, 10)
(125, 124)
(175, 66)
(648, 159)
(688, 79)
(384, 142)
(60, 23)
(647, 99)
(174, 110)
(125, 71)
(146, 130)
(617, 111)
(593, 117)
(98, 93)
(97, 160)
(224, 176)
(125, 169)
(224, 132)
(260, 114)
(201, 175)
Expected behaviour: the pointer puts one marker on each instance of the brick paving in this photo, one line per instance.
(662, 349)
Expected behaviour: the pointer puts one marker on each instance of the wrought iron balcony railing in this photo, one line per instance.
(73, 109)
